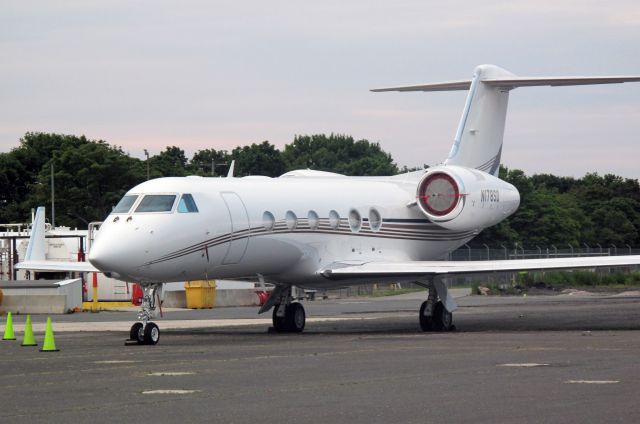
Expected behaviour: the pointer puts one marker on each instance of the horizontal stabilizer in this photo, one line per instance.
(436, 86)
(56, 266)
(514, 82)
(455, 268)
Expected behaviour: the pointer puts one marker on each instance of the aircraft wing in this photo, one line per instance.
(56, 266)
(342, 271)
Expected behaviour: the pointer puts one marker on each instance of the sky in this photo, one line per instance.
(218, 74)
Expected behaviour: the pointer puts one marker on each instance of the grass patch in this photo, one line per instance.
(567, 279)
(395, 292)
(560, 280)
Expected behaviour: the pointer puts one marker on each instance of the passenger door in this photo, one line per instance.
(239, 228)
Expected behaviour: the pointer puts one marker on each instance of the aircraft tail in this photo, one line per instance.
(36, 246)
(478, 140)
(35, 259)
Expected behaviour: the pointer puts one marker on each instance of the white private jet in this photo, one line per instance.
(323, 230)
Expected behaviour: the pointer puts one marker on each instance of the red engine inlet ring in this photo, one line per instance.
(438, 194)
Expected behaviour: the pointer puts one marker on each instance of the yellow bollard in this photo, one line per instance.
(28, 339)
(49, 344)
(8, 330)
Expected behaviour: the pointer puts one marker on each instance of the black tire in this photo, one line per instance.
(442, 319)
(279, 323)
(295, 317)
(151, 334)
(426, 323)
(134, 333)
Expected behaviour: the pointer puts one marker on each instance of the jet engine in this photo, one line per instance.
(464, 199)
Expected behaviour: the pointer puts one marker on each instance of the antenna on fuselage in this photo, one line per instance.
(230, 173)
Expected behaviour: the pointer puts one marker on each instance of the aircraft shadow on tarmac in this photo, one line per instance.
(580, 315)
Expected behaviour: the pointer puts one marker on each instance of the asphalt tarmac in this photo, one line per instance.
(569, 358)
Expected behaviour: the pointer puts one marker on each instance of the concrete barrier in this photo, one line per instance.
(41, 296)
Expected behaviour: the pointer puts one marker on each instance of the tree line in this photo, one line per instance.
(92, 175)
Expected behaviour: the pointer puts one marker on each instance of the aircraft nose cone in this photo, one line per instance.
(105, 257)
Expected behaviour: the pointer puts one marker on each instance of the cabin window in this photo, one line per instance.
(375, 220)
(355, 220)
(124, 205)
(313, 220)
(291, 220)
(268, 221)
(156, 203)
(334, 220)
(187, 204)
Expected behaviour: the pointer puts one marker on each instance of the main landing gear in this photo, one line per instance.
(146, 332)
(434, 315)
(288, 316)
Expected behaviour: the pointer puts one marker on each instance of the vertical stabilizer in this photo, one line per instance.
(478, 141)
(36, 247)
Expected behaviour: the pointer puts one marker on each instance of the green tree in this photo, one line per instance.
(89, 181)
(209, 162)
(171, 162)
(12, 188)
(22, 166)
(338, 153)
(258, 159)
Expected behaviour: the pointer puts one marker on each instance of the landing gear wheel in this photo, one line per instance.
(293, 320)
(442, 319)
(426, 323)
(295, 317)
(151, 334)
(136, 332)
(279, 323)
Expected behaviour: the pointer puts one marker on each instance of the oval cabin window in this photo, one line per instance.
(355, 220)
(334, 220)
(313, 220)
(375, 220)
(291, 220)
(268, 221)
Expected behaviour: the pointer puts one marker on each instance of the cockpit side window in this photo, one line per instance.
(187, 204)
(124, 205)
(156, 203)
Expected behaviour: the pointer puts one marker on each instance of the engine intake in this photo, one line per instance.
(464, 199)
(438, 194)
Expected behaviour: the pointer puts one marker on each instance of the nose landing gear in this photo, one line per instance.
(146, 332)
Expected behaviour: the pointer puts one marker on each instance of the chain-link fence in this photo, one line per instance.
(468, 253)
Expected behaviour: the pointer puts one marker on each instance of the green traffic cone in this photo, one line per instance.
(49, 344)
(8, 330)
(28, 339)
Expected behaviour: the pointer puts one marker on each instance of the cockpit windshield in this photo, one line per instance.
(187, 204)
(156, 203)
(125, 204)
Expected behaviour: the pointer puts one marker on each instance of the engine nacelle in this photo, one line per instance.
(464, 199)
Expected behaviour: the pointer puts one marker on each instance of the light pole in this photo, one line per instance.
(53, 199)
(146, 153)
